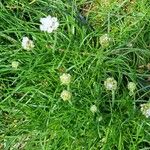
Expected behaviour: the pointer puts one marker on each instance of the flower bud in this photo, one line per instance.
(15, 64)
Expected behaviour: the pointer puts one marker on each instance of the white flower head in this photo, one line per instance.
(93, 109)
(27, 44)
(131, 88)
(49, 24)
(145, 109)
(15, 64)
(65, 79)
(110, 84)
(66, 95)
(105, 40)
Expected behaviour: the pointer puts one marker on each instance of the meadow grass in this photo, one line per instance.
(32, 114)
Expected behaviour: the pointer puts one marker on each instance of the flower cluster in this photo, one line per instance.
(65, 79)
(50, 24)
(111, 85)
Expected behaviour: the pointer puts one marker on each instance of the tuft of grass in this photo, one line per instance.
(32, 114)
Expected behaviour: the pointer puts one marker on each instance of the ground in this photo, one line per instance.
(33, 116)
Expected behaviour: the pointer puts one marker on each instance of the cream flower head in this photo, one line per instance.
(131, 88)
(27, 44)
(105, 2)
(145, 109)
(65, 79)
(105, 40)
(93, 109)
(66, 95)
(110, 84)
(148, 66)
(130, 45)
(49, 24)
(15, 64)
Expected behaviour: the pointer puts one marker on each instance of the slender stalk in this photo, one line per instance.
(113, 98)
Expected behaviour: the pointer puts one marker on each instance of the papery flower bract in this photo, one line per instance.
(65, 78)
(15, 64)
(66, 95)
(145, 109)
(105, 40)
(110, 84)
(93, 109)
(49, 24)
(27, 44)
(131, 88)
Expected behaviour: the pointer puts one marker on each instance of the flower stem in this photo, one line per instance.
(113, 98)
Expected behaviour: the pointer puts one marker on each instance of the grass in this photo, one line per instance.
(32, 114)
